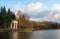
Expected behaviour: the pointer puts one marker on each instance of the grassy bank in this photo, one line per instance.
(22, 29)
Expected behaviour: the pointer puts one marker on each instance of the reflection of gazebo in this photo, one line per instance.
(14, 24)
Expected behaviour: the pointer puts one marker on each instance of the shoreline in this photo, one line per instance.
(20, 30)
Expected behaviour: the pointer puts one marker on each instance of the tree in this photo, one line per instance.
(7, 17)
(3, 14)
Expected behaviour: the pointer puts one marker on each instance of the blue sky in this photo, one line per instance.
(35, 7)
(47, 3)
(11, 3)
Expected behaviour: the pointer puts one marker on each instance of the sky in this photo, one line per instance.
(38, 10)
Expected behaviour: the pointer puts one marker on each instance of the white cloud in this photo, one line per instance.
(56, 10)
(56, 7)
(34, 19)
(35, 7)
(30, 8)
(57, 16)
(54, 14)
(17, 7)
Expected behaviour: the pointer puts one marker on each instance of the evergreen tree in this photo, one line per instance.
(6, 17)
(10, 17)
(3, 14)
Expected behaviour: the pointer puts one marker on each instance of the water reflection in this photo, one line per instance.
(13, 35)
(24, 35)
(4, 35)
(19, 35)
(42, 34)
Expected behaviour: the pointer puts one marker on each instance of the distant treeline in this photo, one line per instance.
(26, 23)
(44, 25)
(41, 25)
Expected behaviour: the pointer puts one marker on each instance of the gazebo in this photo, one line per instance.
(14, 24)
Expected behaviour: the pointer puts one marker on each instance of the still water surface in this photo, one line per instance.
(42, 34)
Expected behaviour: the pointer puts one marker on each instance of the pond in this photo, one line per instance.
(41, 34)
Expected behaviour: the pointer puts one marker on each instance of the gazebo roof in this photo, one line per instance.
(14, 21)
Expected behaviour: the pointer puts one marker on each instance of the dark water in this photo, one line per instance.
(42, 34)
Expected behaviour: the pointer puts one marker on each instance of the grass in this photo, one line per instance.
(22, 29)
